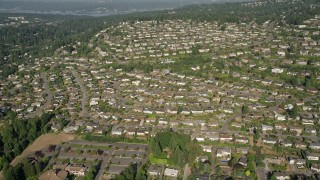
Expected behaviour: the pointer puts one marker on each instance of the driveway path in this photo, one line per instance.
(186, 172)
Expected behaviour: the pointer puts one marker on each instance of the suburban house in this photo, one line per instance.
(312, 156)
(315, 167)
(224, 154)
(282, 175)
(154, 170)
(243, 161)
(171, 172)
(77, 169)
(54, 174)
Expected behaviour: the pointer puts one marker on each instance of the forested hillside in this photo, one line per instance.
(49, 32)
(22, 42)
(291, 12)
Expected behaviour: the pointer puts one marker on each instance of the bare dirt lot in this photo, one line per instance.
(42, 142)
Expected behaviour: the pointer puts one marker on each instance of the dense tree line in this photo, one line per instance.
(92, 171)
(26, 169)
(24, 42)
(17, 134)
(133, 172)
(112, 139)
(178, 147)
(290, 12)
(88, 7)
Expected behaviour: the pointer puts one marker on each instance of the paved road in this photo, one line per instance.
(141, 122)
(84, 111)
(225, 126)
(47, 90)
(261, 172)
(186, 172)
(213, 165)
(104, 164)
(105, 159)
(49, 96)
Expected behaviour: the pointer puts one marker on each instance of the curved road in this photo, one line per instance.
(49, 96)
(84, 100)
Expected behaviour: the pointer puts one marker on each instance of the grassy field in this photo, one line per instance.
(155, 160)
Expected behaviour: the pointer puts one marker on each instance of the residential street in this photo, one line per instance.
(48, 97)
(84, 101)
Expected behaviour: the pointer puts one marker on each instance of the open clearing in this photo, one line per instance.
(155, 160)
(42, 142)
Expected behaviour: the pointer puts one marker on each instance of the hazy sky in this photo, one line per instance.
(189, 1)
(102, 0)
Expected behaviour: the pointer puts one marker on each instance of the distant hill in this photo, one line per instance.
(279, 11)
(103, 7)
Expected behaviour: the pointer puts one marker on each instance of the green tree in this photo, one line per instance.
(155, 148)
(218, 171)
(183, 149)
(89, 175)
(37, 167)
(129, 172)
(223, 27)
(141, 173)
(294, 112)
(273, 177)
(18, 134)
(295, 82)
(18, 171)
(28, 169)
(32, 178)
(251, 166)
(247, 173)
(244, 109)
(9, 174)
